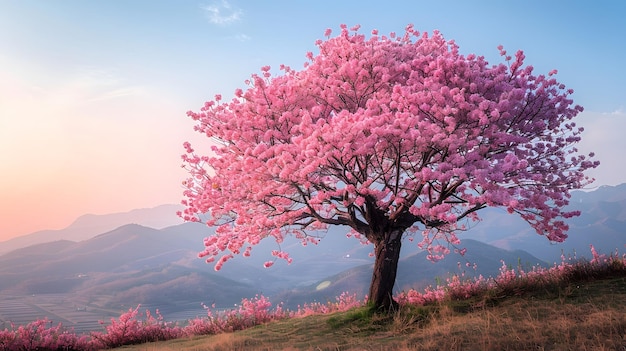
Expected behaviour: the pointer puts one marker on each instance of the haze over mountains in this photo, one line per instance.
(602, 222)
(85, 273)
(90, 225)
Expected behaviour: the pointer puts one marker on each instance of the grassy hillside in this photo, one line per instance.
(581, 315)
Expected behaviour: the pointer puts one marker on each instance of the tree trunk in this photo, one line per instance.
(387, 253)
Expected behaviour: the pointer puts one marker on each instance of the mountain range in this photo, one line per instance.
(149, 257)
(90, 225)
(602, 222)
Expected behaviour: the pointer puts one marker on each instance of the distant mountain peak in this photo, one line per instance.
(89, 225)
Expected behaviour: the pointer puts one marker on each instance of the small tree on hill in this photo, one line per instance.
(389, 136)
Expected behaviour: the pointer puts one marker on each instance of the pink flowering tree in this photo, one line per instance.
(390, 136)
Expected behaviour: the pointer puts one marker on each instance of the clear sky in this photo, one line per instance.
(93, 94)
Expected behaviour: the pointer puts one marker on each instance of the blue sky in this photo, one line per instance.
(93, 94)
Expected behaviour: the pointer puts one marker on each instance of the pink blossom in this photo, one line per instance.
(359, 201)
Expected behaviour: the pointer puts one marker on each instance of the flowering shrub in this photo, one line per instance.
(513, 281)
(41, 335)
(129, 330)
(345, 301)
(250, 312)
(133, 327)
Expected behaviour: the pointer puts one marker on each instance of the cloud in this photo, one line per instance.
(242, 37)
(604, 135)
(222, 13)
(90, 84)
(619, 111)
(117, 93)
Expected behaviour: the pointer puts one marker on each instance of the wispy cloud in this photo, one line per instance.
(116, 93)
(222, 13)
(242, 37)
(603, 135)
(618, 112)
(91, 84)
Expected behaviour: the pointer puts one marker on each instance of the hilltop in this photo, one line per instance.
(578, 316)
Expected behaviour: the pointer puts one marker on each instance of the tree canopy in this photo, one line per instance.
(389, 135)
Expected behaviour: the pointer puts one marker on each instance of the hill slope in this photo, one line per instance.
(582, 316)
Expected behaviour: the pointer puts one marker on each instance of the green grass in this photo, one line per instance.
(588, 313)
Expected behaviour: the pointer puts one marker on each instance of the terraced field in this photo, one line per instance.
(73, 312)
(82, 314)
